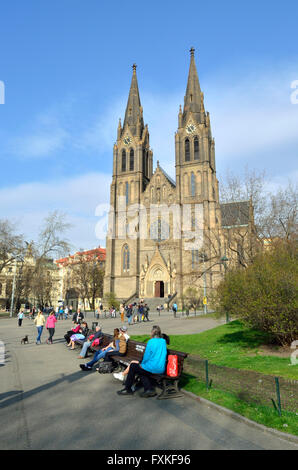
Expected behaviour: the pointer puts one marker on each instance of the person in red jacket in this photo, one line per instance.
(50, 325)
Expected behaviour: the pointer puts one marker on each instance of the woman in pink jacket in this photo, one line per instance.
(50, 325)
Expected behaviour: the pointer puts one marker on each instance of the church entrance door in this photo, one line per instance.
(159, 289)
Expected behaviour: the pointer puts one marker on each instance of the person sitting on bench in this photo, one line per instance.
(97, 335)
(154, 362)
(71, 332)
(121, 346)
(101, 353)
(81, 334)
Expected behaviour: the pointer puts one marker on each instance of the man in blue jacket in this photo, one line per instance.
(154, 362)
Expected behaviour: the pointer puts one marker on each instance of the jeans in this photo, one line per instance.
(109, 355)
(98, 355)
(85, 348)
(130, 319)
(39, 333)
(51, 332)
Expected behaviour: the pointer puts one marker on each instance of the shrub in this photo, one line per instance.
(264, 295)
(110, 300)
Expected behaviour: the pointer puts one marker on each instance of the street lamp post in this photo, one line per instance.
(13, 288)
(205, 290)
(203, 256)
(224, 260)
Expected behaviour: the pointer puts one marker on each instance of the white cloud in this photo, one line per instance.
(28, 204)
(41, 144)
(250, 116)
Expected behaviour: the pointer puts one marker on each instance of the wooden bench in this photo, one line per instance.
(135, 351)
(106, 340)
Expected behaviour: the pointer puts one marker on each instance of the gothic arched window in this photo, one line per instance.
(126, 193)
(123, 161)
(193, 184)
(196, 148)
(131, 160)
(187, 150)
(125, 257)
(144, 162)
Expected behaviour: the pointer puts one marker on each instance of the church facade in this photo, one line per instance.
(165, 236)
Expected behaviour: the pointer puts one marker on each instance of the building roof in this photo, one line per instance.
(88, 255)
(171, 181)
(235, 213)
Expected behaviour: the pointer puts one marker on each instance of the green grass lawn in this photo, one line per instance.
(236, 346)
(233, 345)
(288, 422)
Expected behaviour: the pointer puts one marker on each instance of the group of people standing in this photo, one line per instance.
(136, 312)
(40, 320)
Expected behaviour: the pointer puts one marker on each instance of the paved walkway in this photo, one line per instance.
(47, 402)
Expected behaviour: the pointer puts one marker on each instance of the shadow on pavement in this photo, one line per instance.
(20, 395)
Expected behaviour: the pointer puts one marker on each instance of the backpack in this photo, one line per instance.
(105, 367)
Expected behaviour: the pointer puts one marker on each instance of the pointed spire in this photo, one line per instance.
(134, 110)
(192, 99)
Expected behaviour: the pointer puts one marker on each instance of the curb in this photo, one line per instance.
(238, 417)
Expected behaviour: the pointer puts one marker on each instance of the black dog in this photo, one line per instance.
(25, 340)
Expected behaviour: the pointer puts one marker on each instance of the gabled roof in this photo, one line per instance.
(235, 213)
(171, 181)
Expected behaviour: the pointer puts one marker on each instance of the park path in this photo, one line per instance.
(47, 402)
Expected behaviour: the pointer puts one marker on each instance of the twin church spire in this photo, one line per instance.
(134, 111)
(193, 101)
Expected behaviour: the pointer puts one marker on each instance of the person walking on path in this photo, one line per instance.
(39, 323)
(129, 314)
(122, 310)
(61, 312)
(174, 308)
(141, 312)
(66, 313)
(146, 312)
(50, 325)
(20, 317)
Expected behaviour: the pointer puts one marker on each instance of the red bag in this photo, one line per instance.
(95, 342)
(172, 367)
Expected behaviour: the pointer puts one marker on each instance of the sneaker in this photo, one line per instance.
(119, 376)
(125, 392)
(85, 367)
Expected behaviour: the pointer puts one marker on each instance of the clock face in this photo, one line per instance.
(127, 140)
(190, 128)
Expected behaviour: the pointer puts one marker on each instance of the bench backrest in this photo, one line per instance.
(136, 349)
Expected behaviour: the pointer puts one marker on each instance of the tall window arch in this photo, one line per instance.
(125, 258)
(193, 184)
(196, 148)
(131, 160)
(187, 150)
(127, 193)
(123, 161)
(144, 162)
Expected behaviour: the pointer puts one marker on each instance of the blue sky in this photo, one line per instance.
(66, 66)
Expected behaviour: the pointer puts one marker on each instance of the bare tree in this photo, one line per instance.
(12, 245)
(87, 277)
(51, 244)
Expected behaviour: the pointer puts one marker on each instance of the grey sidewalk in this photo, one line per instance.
(47, 402)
